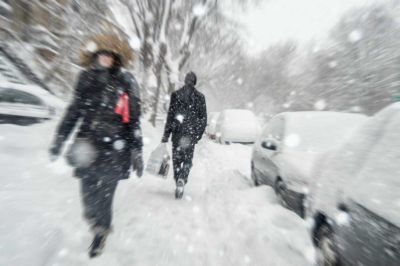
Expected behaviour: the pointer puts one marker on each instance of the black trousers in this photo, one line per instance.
(97, 198)
(182, 157)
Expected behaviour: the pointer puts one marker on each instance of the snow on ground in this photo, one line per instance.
(222, 219)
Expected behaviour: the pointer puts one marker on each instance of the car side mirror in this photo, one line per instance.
(269, 145)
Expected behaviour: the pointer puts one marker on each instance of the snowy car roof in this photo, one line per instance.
(318, 115)
(320, 130)
(366, 168)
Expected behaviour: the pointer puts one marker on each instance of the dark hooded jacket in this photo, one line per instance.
(187, 114)
(92, 111)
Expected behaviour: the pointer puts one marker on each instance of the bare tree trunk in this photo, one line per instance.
(153, 118)
(158, 72)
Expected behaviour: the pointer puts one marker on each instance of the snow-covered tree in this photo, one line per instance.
(163, 32)
(359, 69)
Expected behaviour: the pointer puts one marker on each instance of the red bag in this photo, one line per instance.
(122, 108)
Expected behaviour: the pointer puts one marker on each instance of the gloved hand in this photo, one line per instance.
(137, 163)
(54, 151)
(164, 140)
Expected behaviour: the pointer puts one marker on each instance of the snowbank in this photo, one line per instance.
(222, 219)
(26, 237)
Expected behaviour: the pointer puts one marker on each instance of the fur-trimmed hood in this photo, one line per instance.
(106, 42)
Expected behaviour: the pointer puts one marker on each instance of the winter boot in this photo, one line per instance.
(97, 246)
(180, 185)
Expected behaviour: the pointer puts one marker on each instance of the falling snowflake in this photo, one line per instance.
(91, 47)
(63, 252)
(355, 36)
(146, 140)
(138, 134)
(180, 118)
(199, 10)
(134, 42)
(188, 198)
(190, 249)
(239, 81)
(178, 26)
(184, 142)
(247, 259)
(292, 140)
(333, 64)
(320, 105)
(342, 218)
(199, 233)
(196, 209)
(119, 144)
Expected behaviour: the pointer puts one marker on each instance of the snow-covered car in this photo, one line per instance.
(212, 124)
(26, 104)
(355, 201)
(237, 126)
(284, 155)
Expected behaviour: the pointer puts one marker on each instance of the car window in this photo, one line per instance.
(274, 129)
(17, 96)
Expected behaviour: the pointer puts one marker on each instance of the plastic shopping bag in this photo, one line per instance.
(158, 163)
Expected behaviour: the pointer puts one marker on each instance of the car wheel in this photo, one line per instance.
(327, 246)
(280, 191)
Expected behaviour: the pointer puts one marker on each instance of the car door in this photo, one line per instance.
(269, 147)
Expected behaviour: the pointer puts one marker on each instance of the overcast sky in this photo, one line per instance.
(303, 20)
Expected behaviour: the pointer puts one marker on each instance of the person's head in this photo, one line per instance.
(106, 50)
(191, 79)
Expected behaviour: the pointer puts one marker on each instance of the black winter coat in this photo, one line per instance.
(187, 115)
(92, 109)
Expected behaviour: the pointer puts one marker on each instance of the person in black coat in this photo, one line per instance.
(106, 112)
(186, 121)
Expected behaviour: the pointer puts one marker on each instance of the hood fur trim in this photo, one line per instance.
(106, 42)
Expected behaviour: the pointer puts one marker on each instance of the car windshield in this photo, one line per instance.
(17, 96)
(320, 131)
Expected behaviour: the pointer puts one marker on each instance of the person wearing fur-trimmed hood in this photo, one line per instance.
(106, 111)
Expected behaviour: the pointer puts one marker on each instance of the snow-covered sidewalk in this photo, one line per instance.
(222, 219)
